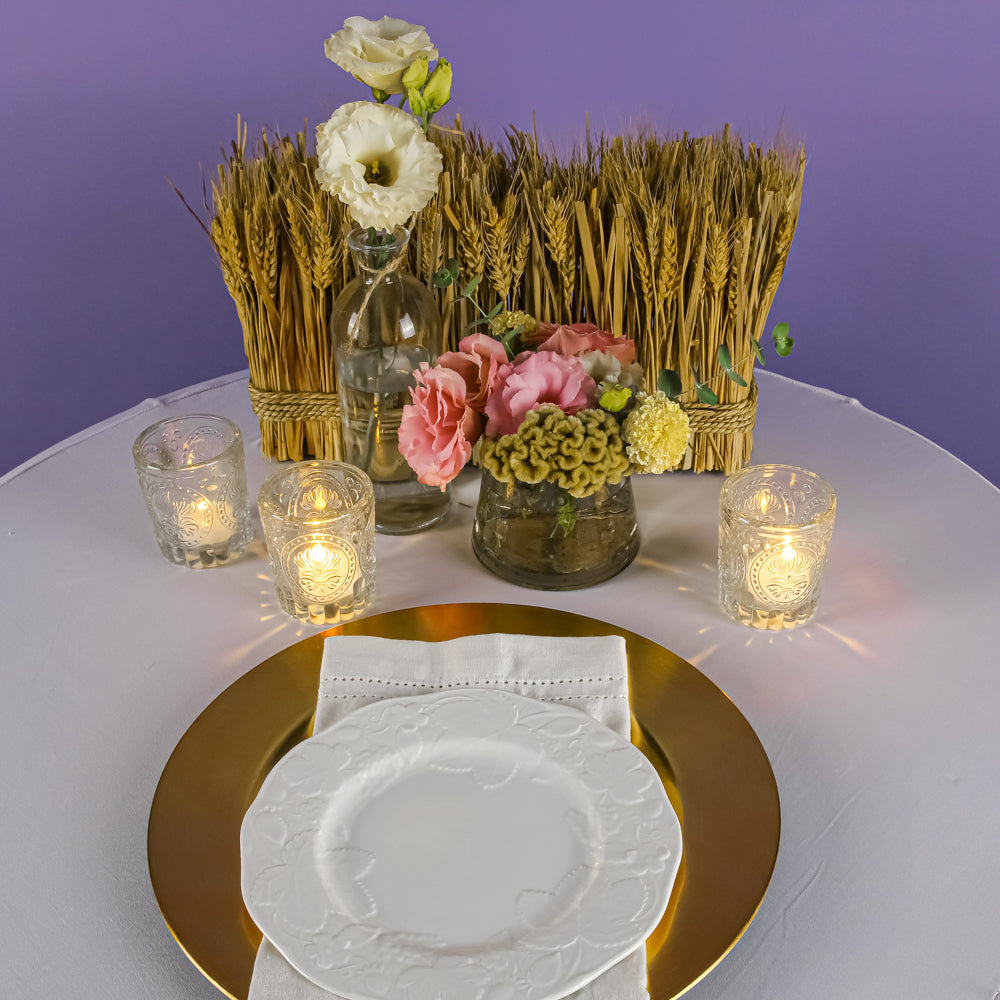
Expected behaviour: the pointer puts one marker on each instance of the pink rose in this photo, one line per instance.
(437, 429)
(531, 379)
(580, 338)
(477, 360)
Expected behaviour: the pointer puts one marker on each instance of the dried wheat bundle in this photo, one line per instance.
(280, 243)
(678, 243)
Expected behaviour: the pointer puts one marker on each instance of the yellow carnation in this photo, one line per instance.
(657, 432)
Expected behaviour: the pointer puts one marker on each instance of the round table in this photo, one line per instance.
(879, 717)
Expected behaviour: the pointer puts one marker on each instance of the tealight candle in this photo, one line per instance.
(192, 474)
(211, 521)
(775, 523)
(319, 524)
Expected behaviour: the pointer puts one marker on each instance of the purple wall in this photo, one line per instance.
(110, 293)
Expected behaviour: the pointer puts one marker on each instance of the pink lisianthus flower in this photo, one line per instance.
(477, 360)
(580, 338)
(438, 428)
(531, 379)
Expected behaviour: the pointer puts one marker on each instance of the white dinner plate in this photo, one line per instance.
(475, 844)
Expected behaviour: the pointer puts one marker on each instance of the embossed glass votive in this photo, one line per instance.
(319, 524)
(193, 477)
(775, 523)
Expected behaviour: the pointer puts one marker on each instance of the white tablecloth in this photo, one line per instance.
(880, 718)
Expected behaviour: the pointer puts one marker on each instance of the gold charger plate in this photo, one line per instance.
(716, 773)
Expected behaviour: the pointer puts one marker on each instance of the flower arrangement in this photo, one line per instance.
(634, 233)
(566, 407)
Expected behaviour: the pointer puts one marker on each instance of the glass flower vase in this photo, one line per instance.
(539, 536)
(383, 325)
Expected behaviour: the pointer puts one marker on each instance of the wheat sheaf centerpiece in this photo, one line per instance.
(677, 243)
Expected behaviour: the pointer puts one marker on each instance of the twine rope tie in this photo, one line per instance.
(725, 418)
(281, 405)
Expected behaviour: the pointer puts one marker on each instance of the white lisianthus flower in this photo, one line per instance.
(602, 366)
(378, 52)
(378, 162)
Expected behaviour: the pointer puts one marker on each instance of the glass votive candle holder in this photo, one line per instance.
(319, 524)
(193, 477)
(775, 523)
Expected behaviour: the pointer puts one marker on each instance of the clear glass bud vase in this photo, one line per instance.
(539, 536)
(383, 324)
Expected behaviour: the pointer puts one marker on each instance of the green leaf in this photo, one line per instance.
(782, 342)
(758, 351)
(669, 383)
(726, 361)
(494, 310)
(509, 338)
(566, 516)
(471, 286)
(705, 395)
(447, 274)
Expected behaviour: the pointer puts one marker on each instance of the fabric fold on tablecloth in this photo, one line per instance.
(590, 673)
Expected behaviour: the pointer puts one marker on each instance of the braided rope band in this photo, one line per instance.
(279, 405)
(724, 418)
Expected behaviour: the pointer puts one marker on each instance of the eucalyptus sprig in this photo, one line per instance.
(669, 381)
(447, 275)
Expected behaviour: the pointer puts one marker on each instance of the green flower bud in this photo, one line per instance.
(437, 93)
(417, 103)
(416, 74)
(615, 398)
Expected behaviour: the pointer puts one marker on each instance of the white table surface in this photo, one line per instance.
(881, 718)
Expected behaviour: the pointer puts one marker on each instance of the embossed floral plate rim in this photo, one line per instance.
(553, 909)
(715, 770)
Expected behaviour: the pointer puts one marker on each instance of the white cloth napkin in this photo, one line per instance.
(590, 673)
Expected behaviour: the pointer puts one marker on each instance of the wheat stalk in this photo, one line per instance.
(555, 218)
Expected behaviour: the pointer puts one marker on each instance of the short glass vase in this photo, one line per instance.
(537, 535)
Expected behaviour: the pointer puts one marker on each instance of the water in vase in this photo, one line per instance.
(374, 388)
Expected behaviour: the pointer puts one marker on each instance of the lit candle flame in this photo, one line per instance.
(316, 498)
(324, 571)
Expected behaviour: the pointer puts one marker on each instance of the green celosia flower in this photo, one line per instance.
(578, 452)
